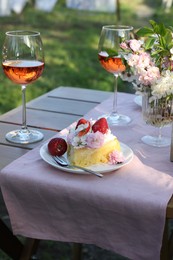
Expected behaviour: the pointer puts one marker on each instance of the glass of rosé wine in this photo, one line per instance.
(110, 57)
(23, 63)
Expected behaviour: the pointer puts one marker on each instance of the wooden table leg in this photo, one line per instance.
(77, 251)
(9, 243)
(166, 243)
(13, 247)
(29, 248)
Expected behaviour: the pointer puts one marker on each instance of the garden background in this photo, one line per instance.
(70, 38)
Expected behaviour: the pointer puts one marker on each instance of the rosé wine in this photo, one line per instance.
(23, 72)
(111, 64)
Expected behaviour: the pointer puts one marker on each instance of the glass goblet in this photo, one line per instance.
(110, 57)
(23, 63)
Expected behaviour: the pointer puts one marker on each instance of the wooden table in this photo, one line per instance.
(50, 113)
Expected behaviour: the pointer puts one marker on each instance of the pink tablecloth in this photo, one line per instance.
(124, 211)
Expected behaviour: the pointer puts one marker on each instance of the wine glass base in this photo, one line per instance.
(156, 141)
(24, 136)
(118, 120)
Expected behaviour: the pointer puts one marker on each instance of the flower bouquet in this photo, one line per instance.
(149, 66)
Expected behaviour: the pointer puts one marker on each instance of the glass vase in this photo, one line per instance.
(158, 113)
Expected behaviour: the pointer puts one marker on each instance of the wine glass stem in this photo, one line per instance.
(24, 126)
(114, 111)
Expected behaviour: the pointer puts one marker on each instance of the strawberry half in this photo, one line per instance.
(57, 146)
(81, 121)
(100, 125)
(84, 131)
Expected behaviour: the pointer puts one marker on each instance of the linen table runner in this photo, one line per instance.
(124, 211)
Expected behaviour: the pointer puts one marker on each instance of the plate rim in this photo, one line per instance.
(78, 171)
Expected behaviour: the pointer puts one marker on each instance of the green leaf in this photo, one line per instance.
(170, 45)
(145, 31)
(111, 52)
(168, 38)
(161, 29)
(157, 60)
(155, 26)
(162, 42)
(156, 53)
(158, 28)
(171, 28)
(149, 43)
(153, 23)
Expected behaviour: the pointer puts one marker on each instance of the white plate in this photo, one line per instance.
(138, 100)
(102, 168)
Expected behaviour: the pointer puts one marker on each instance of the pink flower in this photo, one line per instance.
(144, 60)
(116, 157)
(135, 45)
(95, 140)
(149, 75)
(141, 60)
(133, 60)
(124, 46)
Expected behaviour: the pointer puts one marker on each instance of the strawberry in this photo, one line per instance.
(100, 125)
(84, 131)
(57, 146)
(80, 122)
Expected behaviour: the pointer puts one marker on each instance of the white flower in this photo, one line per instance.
(75, 140)
(163, 86)
(79, 142)
(126, 76)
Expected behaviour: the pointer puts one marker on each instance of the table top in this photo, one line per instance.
(51, 113)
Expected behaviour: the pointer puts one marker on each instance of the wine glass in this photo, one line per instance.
(110, 57)
(158, 113)
(23, 63)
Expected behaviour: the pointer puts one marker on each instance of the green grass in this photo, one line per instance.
(70, 39)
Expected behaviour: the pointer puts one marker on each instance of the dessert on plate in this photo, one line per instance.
(91, 142)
